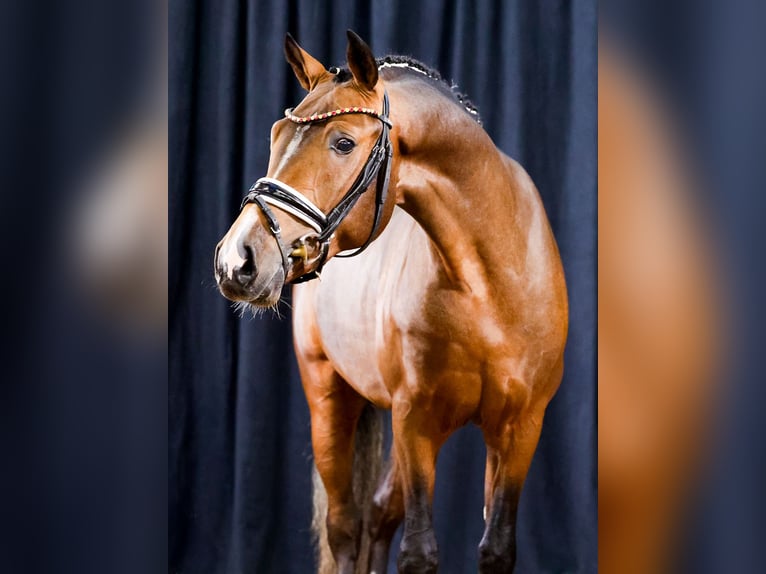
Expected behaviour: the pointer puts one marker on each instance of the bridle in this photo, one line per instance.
(268, 192)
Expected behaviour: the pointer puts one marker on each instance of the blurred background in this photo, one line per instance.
(83, 230)
(680, 282)
(240, 454)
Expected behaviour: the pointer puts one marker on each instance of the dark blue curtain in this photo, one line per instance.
(240, 455)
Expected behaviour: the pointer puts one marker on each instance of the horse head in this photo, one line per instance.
(315, 202)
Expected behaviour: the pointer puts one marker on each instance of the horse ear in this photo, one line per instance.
(361, 62)
(307, 69)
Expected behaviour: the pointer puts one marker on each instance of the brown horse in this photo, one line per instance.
(456, 313)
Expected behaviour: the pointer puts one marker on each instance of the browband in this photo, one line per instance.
(316, 117)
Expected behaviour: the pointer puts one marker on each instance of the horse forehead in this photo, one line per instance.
(319, 100)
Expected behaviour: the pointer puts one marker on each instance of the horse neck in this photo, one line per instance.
(455, 183)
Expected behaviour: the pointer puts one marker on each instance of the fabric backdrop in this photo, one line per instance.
(240, 455)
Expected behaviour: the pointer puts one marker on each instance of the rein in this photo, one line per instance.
(271, 192)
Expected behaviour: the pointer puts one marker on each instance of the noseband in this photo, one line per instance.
(268, 192)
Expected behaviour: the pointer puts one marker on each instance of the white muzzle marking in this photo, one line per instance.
(230, 254)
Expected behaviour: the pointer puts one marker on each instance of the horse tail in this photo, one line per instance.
(368, 462)
(368, 459)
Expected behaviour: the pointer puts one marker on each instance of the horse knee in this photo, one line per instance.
(419, 554)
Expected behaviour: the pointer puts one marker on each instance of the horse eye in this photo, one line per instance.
(343, 145)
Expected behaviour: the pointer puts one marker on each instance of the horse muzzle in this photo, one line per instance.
(239, 277)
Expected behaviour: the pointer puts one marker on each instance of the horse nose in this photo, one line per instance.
(234, 265)
(245, 273)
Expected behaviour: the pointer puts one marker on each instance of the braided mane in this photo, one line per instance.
(409, 64)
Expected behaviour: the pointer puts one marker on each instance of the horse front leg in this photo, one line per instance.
(335, 410)
(416, 444)
(509, 454)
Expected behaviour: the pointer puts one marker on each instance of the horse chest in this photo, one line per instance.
(379, 334)
(363, 306)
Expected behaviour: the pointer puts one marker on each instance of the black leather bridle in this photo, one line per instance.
(268, 192)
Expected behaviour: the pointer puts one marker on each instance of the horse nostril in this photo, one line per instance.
(246, 273)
